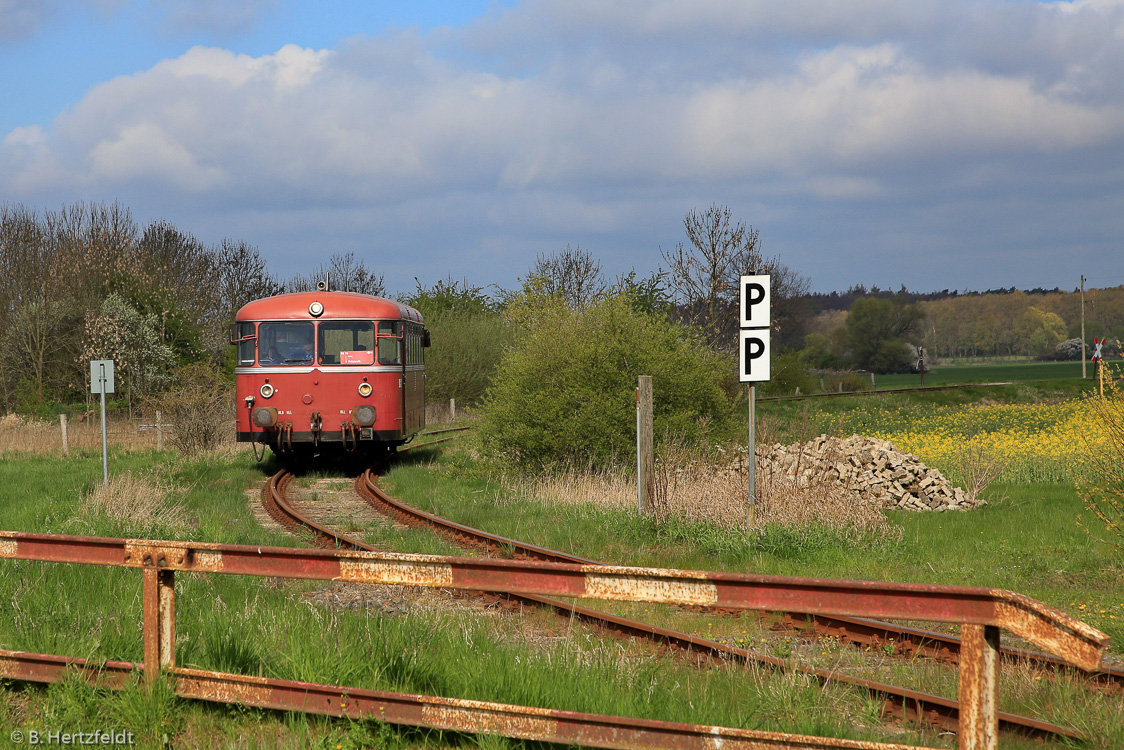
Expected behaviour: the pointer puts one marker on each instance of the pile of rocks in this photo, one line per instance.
(873, 469)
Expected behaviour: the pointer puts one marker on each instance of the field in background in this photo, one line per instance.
(989, 372)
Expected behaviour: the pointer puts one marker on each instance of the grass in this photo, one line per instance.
(1019, 372)
(271, 628)
(1026, 539)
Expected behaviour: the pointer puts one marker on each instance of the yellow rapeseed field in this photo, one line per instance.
(1028, 442)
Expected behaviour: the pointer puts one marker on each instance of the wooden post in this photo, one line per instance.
(872, 380)
(645, 452)
(452, 410)
(65, 437)
(159, 433)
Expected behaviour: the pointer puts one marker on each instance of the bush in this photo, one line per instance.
(199, 407)
(565, 394)
(467, 347)
(788, 374)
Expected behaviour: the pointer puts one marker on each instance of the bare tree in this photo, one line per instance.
(345, 274)
(572, 274)
(242, 277)
(35, 304)
(704, 277)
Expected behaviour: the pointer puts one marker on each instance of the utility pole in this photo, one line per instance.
(1083, 326)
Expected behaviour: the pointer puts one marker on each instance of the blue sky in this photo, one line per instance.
(948, 144)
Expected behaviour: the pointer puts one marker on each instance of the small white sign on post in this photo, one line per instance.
(101, 376)
(101, 381)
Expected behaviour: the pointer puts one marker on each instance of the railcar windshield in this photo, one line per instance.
(347, 342)
(285, 344)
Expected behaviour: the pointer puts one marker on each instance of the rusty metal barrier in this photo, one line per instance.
(981, 613)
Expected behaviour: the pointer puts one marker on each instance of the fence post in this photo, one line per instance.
(979, 687)
(159, 433)
(159, 622)
(452, 410)
(65, 437)
(645, 455)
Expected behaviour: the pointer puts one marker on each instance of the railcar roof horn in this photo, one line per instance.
(324, 286)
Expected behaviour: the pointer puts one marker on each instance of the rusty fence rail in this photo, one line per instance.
(981, 613)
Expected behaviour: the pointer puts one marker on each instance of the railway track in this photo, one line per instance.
(874, 634)
(901, 703)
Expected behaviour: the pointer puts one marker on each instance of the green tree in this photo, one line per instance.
(449, 296)
(1040, 331)
(468, 338)
(878, 334)
(564, 394)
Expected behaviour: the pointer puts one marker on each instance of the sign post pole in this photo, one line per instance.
(753, 366)
(101, 381)
(751, 459)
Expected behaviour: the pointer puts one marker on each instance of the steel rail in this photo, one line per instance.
(862, 631)
(449, 714)
(981, 612)
(911, 642)
(447, 429)
(905, 703)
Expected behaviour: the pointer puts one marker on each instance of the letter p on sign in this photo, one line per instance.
(755, 301)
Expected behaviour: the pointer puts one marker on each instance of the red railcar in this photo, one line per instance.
(329, 373)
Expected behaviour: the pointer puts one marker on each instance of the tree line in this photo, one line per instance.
(88, 282)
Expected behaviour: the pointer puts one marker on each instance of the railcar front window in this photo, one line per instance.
(347, 343)
(285, 344)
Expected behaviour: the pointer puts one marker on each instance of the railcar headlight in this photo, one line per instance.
(267, 391)
(364, 415)
(316, 309)
(365, 389)
(265, 416)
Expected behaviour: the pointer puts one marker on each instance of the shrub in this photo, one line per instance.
(788, 374)
(565, 393)
(467, 347)
(199, 407)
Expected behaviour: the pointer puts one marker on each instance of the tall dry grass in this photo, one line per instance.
(22, 434)
(136, 501)
(713, 488)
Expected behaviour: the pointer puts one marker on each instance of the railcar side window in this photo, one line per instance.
(413, 344)
(245, 348)
(389, 352)
(285, 344)
(347, 343)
